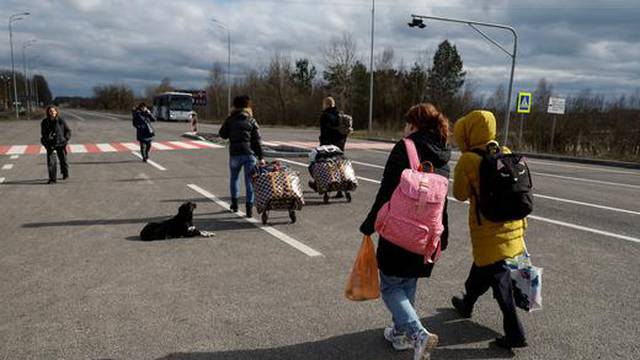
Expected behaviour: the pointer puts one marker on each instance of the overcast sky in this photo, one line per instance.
(574, 44)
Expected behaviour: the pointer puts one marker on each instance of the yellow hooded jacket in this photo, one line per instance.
(492, 242)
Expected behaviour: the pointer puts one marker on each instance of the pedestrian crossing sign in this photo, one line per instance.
(524, 103)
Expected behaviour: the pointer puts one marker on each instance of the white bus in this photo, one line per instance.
(173, 106)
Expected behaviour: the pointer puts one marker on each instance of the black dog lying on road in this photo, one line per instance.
(178, 226)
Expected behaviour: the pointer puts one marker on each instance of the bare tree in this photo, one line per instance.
(339, 58)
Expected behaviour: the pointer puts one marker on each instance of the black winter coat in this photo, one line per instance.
(394, 260)
(329, 121)
(142, 123)
(243, 133)
(54, 133)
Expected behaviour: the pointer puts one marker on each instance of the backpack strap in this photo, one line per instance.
(481, 153)
(412, 153)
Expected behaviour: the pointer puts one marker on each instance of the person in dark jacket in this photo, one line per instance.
(329, 122)
(399, 268)
(329, 134)
(245, 149)
(142, 118)
(54, 136)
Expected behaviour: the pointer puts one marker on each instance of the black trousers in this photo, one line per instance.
(497, 277)
(61, 153)
(145, 147)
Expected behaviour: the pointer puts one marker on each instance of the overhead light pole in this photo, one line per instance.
(373, 22)
(225, 27)
(33, 88)
(417, 21)
(13, 18)
(27, 93)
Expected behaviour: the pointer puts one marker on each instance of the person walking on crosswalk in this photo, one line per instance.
(142, 118)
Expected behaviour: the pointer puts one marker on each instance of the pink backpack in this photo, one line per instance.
(412, 219)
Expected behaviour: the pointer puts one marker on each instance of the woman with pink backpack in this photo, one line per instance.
(410, 216)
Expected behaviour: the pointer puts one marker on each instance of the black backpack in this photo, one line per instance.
(345, 124)
(505, 186)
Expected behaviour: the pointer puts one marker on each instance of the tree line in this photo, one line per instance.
(36, 89)
(289, 92)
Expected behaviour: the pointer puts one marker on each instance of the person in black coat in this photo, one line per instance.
(142, 118)
(54, 136)
(329, 122)
(399, 268)
(329, 133)
(245, 149)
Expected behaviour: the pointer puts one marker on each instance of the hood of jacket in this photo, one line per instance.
(438, 152)
(475, 130)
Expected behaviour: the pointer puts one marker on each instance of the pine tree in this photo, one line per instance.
(303, 75)
(445, 77)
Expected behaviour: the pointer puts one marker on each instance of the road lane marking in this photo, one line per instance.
(569, 201)
(77, 148)
(183, 145)
(587, 180)
(75, 116)
(270, 230)
(583, 167)
(535, 217)
(584, 228)
(106, 148)
(367, 164)
(1, 180)
(206, 144)
(13, 157)
(160, 146)
(131, 145)
(7, 166)
(150, 162)
(17, 150)
(610, 208)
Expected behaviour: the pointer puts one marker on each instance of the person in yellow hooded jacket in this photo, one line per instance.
(492, 242)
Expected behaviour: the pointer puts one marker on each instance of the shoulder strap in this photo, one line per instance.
(412, 153)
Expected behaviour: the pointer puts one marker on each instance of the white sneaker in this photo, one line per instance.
(423, 345)
(398, 340)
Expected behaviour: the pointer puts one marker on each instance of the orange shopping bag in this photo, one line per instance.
(364, 283)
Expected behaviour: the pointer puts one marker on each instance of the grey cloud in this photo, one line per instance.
(575, 44)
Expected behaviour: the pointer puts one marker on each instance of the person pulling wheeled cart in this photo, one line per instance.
(335, 127)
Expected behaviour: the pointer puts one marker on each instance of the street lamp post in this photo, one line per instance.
(27, 93)
(34, 83)
(373, 19)
(13, 18)
(225, 27)
(417, 20)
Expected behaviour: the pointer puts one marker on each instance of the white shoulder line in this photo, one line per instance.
(538, 218)
(7, 166)
(586, 180)
(272, 231)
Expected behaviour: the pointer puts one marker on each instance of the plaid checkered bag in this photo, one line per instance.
(278, 190)
(334, 175)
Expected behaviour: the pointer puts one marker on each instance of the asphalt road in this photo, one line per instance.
(75, 283)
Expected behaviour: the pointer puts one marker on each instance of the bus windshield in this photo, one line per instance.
(181, 103)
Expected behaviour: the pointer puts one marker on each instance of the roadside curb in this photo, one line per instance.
(613, 163)
(270, 151)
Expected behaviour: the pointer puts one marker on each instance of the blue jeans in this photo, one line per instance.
(399, 295)
(236, 163)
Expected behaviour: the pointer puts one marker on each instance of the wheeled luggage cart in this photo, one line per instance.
(277, 188)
